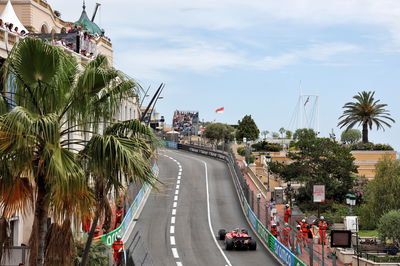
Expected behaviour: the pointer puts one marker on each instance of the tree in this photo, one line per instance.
(289, 134)
(365, 111)
(217, 132)
(126, 148)
(318, 161)
(275, 135)
(264, 133)
(47, 103)
(350, 136)
(282, 131)
(389, 226)
(383, 192)
(247, 128)
(304, 133)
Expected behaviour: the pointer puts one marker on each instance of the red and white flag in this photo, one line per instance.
(220, 110)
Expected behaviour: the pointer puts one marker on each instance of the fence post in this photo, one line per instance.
(311, 252)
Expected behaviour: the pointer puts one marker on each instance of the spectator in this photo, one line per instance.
(2, 24)
(23, 33)
(16, 30)
(10, 27)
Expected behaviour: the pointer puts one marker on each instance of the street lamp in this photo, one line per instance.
(267, 161)
(351, 201)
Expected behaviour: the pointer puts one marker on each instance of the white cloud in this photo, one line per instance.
(234, 14)
(152, 63)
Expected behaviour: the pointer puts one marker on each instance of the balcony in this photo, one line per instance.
(74, 45)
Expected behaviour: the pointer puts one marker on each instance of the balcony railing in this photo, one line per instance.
(71, 43)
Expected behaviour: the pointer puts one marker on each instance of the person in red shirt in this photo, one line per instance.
(274, 231)
(86, 222)
(299, 238)
(305, 231)
(118, 216)
(286, 235)
(287, 214)
(322, 226)
(118, 248)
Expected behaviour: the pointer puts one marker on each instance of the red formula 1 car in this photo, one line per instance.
(237, 239)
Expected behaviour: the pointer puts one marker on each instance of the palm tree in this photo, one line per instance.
(365, 111)
(282, 131)
(50, 100)
(119, 156)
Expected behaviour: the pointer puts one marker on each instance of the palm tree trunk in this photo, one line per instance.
(39, 229)
(85, 256)
(365, 132)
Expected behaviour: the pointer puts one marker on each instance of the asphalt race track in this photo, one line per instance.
(174, 224)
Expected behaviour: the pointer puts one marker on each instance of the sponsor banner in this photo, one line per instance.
(283, 253)
(171, 144)
(262, 231)
(271, 242)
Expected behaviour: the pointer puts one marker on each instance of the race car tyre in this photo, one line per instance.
(221, 234)
(245, 231)
(228, 244)
(252, 245)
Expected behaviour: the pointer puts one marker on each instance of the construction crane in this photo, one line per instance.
(95, 11)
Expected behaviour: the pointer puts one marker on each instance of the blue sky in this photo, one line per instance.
(250, 56)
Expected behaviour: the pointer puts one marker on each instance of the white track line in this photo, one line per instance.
(209, 218)
(173, 218)
(175, 253)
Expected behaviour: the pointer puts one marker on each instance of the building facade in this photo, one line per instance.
(39, 18)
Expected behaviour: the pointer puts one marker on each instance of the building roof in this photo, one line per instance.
(85, 23)
(9, 16)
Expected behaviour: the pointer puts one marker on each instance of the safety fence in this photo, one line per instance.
(110, 237)
(285, 256)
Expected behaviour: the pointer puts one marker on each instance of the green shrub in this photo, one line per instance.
(369, 146)
(389, 226)
(266, 146)
(98, 255)
(241, 151)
